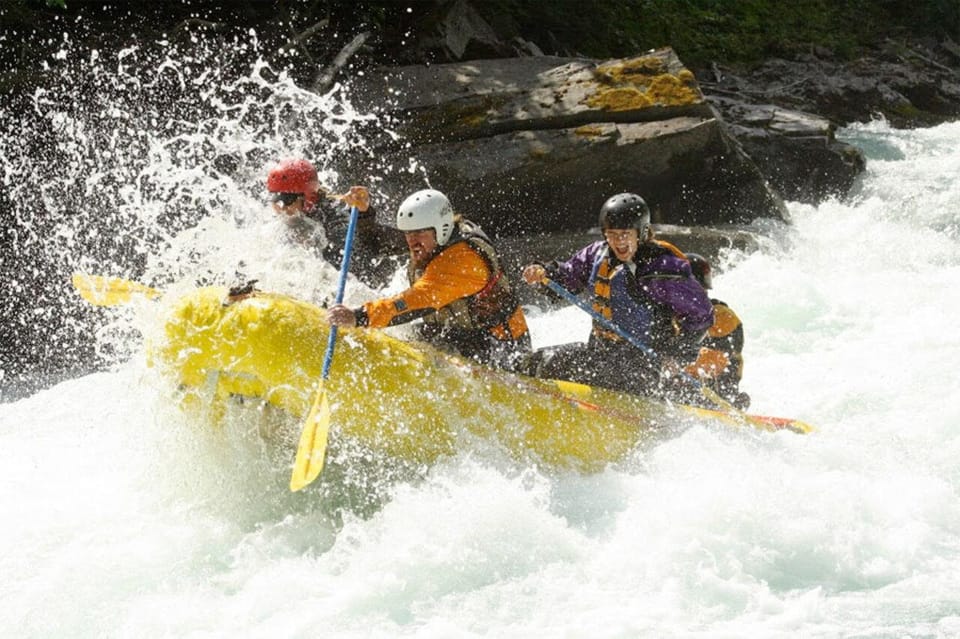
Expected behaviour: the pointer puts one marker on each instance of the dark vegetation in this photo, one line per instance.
(731, 32)
(303, 34)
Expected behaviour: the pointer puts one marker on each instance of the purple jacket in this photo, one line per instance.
(647, 302)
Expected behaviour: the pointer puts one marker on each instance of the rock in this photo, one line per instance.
(769, 109)
(454, 31)
(797, 152)
(907, 84)
(538, 143)
(462, 28)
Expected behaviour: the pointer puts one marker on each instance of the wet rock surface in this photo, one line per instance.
(538, 143)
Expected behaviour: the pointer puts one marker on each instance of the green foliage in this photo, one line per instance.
(741, 31)
(701, 31)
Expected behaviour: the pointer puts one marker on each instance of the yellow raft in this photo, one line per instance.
(406, 400)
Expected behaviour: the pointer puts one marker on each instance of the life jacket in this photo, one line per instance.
(670, 247)
(493, 310)
(612, 298)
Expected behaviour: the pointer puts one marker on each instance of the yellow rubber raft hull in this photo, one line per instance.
(406, 400)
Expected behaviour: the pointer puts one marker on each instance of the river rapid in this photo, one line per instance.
(122, 518)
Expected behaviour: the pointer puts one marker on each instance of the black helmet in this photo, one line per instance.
(626, 211)
(701, 269)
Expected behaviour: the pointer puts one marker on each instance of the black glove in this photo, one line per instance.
(683, 347)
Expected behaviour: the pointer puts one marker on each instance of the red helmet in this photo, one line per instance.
(295, 176)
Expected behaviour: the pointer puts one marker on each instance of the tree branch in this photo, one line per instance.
(325, 78)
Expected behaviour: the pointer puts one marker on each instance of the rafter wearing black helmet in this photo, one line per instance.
(642, 286)
(626, 211)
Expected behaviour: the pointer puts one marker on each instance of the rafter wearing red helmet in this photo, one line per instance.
(305, 205)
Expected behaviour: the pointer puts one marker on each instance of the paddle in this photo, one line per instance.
(313, 439)
(707, 392)
(101, 290)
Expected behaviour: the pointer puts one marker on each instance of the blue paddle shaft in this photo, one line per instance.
(341, 285)
(597, 317)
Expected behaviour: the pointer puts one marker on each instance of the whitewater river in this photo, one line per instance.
(120, 518)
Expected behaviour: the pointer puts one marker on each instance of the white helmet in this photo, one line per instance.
(427, 209)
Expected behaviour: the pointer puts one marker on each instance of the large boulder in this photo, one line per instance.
(538, 143)
(905, 85)
(770, 108)
(797, 152)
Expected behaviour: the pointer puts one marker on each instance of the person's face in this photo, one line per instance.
(623, 243)
(288, 204)
(422, 244)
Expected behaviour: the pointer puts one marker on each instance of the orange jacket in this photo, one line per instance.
(455, 273)
(458, 272)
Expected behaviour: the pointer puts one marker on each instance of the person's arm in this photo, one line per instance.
(373, 242)
(334, 212)
(671, 284)
(572, 274)
(457, 272)
(725, 348)
(377, 238)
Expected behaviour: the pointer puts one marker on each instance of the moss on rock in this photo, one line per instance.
(619, 99)
(642, 82)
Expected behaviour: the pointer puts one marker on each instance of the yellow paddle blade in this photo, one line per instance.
(784, 423)
(757, 421)
(760, 422)
(100, 290)
(313, 443)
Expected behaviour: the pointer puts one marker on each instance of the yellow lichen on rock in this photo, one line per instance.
(470, 113)
(538, 151)
(474, 119)
(631, 71)
(669, 90)
(642, 82)
(589, 131)
(619, 99)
